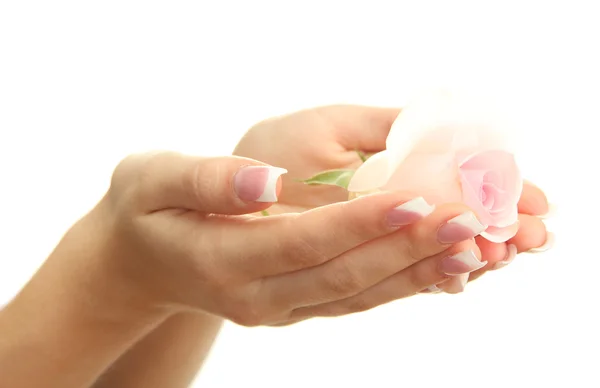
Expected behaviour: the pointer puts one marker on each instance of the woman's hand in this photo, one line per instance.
(178, 234)
(311, 141)
(171, 237)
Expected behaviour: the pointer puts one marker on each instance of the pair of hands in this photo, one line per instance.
(182, 228)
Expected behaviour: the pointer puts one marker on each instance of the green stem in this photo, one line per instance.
(362, 156)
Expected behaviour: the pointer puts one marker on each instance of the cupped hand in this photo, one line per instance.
(311, 141)
(324, 138)
(179, 233)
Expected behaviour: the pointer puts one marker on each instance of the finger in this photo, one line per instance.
(532, 234)
(374, 261)
(222, 185)
(408, 282)
(533, 201)
(531, 237)
(291, 242)
(361, 127)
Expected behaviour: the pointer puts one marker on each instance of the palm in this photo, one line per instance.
(305, 143)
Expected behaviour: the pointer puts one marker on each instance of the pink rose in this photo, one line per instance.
(448, 149)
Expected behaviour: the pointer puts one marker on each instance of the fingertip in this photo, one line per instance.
(258, 184)
(491, 252)
(533, 201)
(532, 233)
(511, 254)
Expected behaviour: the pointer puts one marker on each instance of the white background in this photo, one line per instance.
(84, 83)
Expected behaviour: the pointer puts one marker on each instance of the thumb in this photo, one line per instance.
(222, 185)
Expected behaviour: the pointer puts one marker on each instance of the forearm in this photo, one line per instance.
(73, 319)
(170, 356)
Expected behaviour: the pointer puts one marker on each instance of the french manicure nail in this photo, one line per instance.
(457, 284)
(550, 240)
(459, 228)
(409, 212)
(431, 290)
(461, 263)
(257, 183)
(510, 256)
(550, 213)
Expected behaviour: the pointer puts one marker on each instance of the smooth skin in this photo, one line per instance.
(328, 138)
(136, 292)
(306, 143)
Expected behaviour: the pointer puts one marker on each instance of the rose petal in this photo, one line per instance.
(506, 217)
(471, 182)
(500, 162)
(497, 198)
(500, 235)
(414, 123)
(372, 174)
(434, 177)
(504, 164)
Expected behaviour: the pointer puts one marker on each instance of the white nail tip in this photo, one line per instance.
(550, 240)
(457, 284)
(510, 256)
(551, 212)
(270, 192)
(469, 220)
(470, 260)
(417, 205)
(434, 289)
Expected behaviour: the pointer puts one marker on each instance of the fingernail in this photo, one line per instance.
(551, 212)
(459, 228)
(550, 240)
(510, 256)
(409, 212)
(257, 183)
(461, 263)
(431, 290)
(457, 284)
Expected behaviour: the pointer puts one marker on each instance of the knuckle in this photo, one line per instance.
(416, 246)
(202, 176)
(299, 250)
(417, 280)
(132, 176)
(344, 282)
(421, 277)
(356, 226)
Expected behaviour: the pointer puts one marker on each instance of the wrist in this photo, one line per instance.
(94, 264)
(78, 309)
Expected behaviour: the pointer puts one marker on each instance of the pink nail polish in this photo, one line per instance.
(461, 263)
(460, 228)
(257, 183)
(409, 212)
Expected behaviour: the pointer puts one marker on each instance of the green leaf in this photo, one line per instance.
(264, 213)
(340, 178)
(362, 156)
